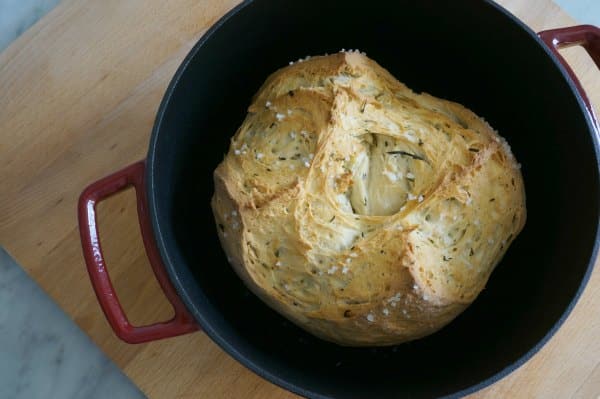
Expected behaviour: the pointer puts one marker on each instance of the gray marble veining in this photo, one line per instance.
(43, 354)
(18, 15)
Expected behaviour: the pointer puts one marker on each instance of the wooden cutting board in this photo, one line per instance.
(78, 96)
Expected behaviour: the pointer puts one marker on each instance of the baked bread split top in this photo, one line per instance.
(365, 213)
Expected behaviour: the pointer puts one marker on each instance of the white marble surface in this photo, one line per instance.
(43, 354)
(584, 11)
(18, 15)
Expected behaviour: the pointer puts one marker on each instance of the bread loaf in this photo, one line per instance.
(365, 213)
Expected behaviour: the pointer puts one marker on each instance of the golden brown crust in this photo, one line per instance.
(365, 213)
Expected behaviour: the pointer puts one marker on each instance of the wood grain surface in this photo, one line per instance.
(78, 96)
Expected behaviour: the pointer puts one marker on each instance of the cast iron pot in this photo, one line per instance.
(472, 52)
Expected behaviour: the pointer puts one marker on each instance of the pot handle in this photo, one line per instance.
(182, 322)
(587, 36)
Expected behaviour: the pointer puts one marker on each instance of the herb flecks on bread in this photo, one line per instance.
(365, 213)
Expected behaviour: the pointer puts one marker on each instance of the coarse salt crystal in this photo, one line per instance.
(490, 241)
(289, 111)
(332, 270)
(391, 176)
(469, 201)
(386, 311)
(234, 213)
(268, 104)
(307, 164)
(395, 298)
(410, 176)
(411, 197)
(345, 269)
(259, 155)
(279, 116)
(354, 254)
(237, 152)
(293, 135)
(371, 317)
(278, 263)
(421, 198)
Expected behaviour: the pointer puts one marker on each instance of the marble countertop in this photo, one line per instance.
(43, 354)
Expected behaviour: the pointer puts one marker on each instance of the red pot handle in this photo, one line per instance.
(586, 36)
(182, 322)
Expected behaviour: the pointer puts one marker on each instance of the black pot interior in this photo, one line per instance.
(466, 51)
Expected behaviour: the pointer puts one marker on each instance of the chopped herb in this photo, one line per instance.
(471, 253)
(269, 170)
(332, 219)
(408, 154)
(446, 259)
(365, 201)
(385, 143)
(348, 313)
(277, 253)
(472, 149)
(362, 107)
(420, 142)
(282, 158)
(492, 199)
(291, 93)
(362, 234)
(272, 125)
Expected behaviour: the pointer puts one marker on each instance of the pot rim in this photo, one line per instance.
(266, 374)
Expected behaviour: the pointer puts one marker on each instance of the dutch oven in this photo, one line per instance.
(472, 52)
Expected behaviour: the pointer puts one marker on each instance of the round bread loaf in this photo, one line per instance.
(365, 213)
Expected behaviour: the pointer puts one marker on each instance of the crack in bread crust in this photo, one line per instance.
(362, 211)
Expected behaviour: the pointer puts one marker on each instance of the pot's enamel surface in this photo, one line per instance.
(470, 52)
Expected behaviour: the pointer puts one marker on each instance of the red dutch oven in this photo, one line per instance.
(472, 52)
